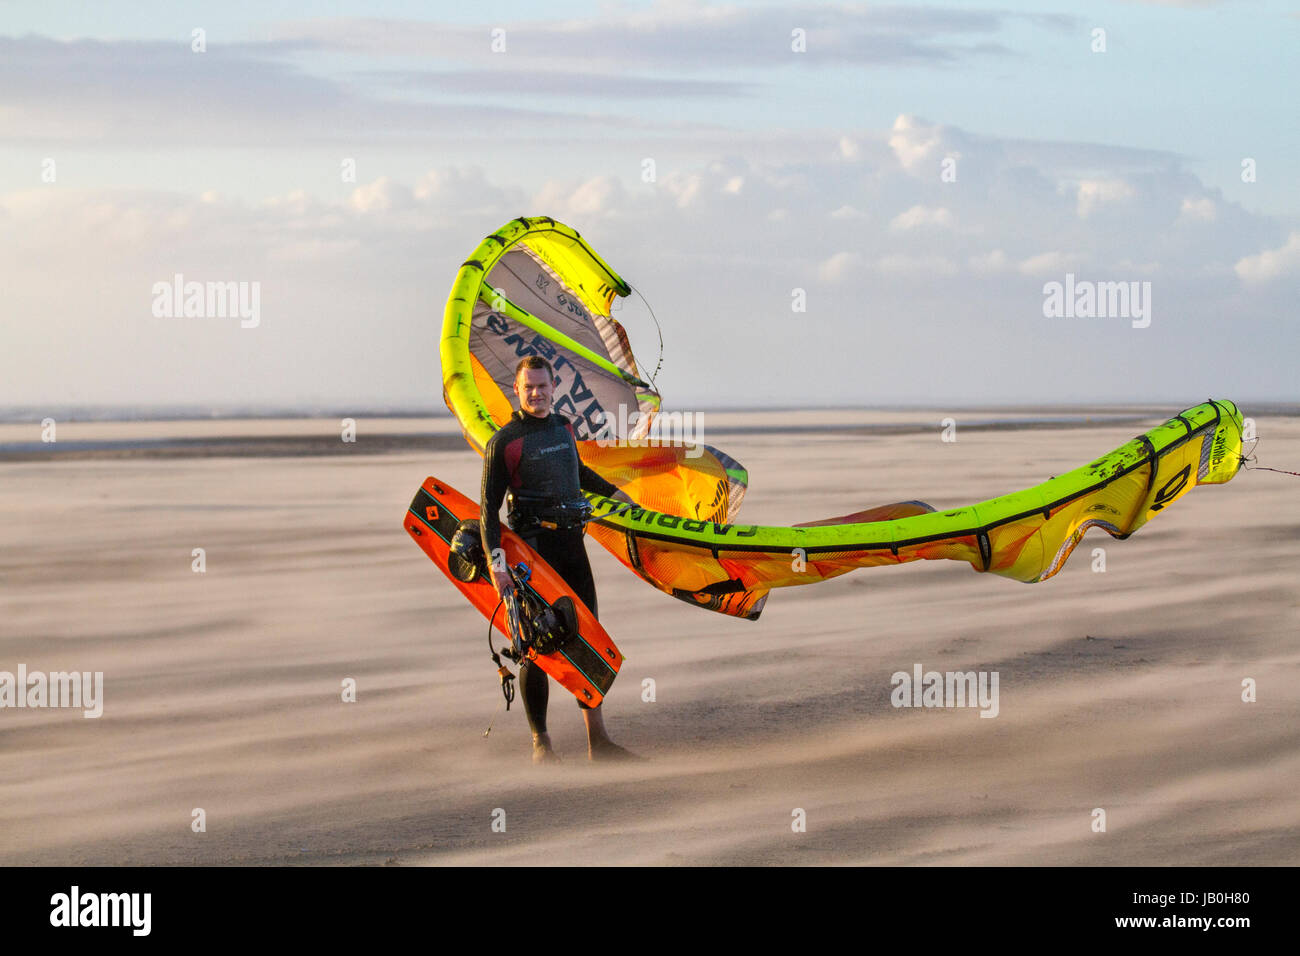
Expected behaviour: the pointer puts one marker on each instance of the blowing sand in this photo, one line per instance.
(1118, 690)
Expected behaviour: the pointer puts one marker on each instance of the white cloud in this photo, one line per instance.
(113, 222)
(1132, 265)
(380, 196)
(684, 187)
(1198, 210)
(995, 261)
(688, 231)
(463, 189)
(297, 202)
(1047, 263)
(1271, 263)
(1094, 193)
(840, 266)
(922, 148)
(920, 216)
(313, 250)
(904, 265)
(595, 197)
(675, 35)
(916, 143)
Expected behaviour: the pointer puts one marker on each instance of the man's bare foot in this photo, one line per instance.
(608, 750)
(543, 752)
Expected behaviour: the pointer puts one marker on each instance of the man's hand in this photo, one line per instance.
(502, 582)
(624, 497)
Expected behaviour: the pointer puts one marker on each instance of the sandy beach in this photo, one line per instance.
(1119, 691)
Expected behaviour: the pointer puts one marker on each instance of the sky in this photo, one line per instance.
(824, 204)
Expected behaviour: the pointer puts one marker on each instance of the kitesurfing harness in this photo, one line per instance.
(529, 513)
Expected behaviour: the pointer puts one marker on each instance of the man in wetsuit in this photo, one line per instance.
(535, 457)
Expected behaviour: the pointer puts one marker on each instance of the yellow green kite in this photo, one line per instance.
(534, 287)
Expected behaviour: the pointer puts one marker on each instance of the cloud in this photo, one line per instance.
(906, 265)
(916, 143)
(684, 187)
(919, 217)
(1197, 210)
(724, 182)
(380, 196)
(1185, 4)
(1092, 194)
(729, 235)
(590, 199)
(163, 95)
(1271, 263)
(921, 147)
(840, 266)
(1047, 263)
(315, 250)
(684, 35)
(521, 77)
(1014, 207)
(995, 261)
(330, 80)
(464, 189)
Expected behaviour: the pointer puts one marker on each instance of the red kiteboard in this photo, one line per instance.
(587, 662)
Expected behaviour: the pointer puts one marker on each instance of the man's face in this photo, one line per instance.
(534, 388)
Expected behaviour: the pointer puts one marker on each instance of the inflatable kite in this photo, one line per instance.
(534, 287)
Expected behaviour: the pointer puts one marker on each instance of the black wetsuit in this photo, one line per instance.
(539, 456)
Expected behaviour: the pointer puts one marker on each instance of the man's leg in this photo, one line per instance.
(534, 688)
(566, 552)
(575, 568)
(599, 746)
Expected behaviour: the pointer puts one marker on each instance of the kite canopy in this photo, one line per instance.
(534, 287)
(1026, 536)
